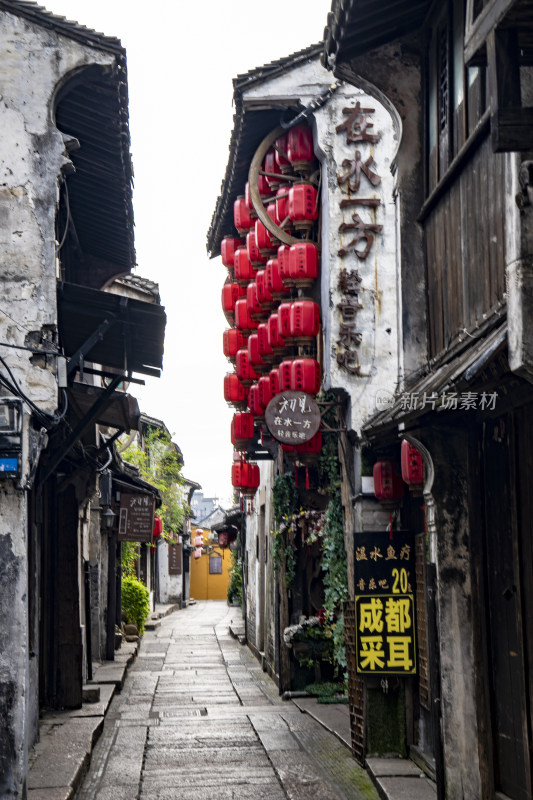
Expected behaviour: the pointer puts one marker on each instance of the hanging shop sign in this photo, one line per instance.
(136, 520)
(384, 603)
(292, 417)
(174, 558)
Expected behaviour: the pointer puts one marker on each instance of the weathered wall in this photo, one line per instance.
(34, 64)
(455, 614)
(170, 586)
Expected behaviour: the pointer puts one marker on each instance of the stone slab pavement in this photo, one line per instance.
(191, 713)
(197, 716)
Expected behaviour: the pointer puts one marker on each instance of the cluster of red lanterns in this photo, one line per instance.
(271, 340)
(390, 480)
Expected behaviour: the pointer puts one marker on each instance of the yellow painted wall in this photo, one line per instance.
(204, 586)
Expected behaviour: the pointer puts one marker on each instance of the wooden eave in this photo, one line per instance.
(355, 27)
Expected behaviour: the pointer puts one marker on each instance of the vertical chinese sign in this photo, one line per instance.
(136, 520)
(385, 619)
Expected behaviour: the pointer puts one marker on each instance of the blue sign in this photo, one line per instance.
(9, 465)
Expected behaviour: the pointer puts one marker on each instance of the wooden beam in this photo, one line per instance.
(478, 30)
(510, 123)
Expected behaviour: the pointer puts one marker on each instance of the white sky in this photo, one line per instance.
(181, 60)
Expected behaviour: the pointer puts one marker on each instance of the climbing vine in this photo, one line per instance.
(334, 564)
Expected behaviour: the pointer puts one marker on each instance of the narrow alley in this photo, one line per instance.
(198, 716)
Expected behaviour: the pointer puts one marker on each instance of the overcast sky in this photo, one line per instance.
(181, 60)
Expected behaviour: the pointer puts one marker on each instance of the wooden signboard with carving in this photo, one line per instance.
(136, 521)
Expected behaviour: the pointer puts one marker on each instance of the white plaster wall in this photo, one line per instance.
(34, 62)
(170, 586)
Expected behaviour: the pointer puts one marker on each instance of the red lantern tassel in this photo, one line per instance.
(307, 477)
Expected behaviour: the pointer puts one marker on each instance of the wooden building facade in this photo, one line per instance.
(464, 397)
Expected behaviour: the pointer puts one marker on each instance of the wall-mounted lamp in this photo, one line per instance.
(108, 518)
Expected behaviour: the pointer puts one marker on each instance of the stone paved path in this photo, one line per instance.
(198, 719)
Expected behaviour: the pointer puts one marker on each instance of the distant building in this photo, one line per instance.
(202, 506)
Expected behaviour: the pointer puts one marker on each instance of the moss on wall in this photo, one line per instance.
(386, 722)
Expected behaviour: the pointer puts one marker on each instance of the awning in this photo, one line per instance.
(479, 365)
(108, 329)
(122, 410)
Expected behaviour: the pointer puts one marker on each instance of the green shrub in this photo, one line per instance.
(135, 602)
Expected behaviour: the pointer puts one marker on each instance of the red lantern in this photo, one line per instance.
(254, 306)
(282, 207)
(235, 392)
(275, 339)
(244, 272)
(388, 484)
(274, 382)
(311, 447)
(232, 340)
(241, 215)
(263, 186)
(254, 356)
(272, 211)
(230, 294)
(245, 476)
(303, 205)
(412, 465)
(242, 430)
(263, 292)
(158, 526)
(285, 375)
(248, 201)
(254, 255)
(303, 264)
(300, 150)
(274, 176)
(245, 371)
(223, 539)
(265, 241)
(282, 158)
(304, 319)
(243, 320)
(228, 246)
(284, 320)
(265, 391)
(254, 402)
(265, 350)
(273, 278)
(305, 376)
(284, 263)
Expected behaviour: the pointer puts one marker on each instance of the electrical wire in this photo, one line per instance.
(35, 350)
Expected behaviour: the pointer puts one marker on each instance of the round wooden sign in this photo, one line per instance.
(293, 417)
